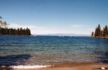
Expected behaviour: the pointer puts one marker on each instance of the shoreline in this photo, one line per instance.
(64, 66)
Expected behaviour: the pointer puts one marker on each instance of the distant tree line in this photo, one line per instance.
(101, 32)
(12, 31)
(4, 30)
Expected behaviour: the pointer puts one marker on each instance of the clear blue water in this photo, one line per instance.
(35, 50)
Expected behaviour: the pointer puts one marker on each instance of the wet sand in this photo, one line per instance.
(75, 66)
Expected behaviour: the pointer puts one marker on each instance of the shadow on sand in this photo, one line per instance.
(6, 61)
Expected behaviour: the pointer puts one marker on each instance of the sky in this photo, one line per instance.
(55, 16)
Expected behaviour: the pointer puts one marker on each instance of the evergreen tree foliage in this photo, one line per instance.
(92, 34)
(11, 31)
(4, 30)
(98, 31)
(101, 33)
(105, 31)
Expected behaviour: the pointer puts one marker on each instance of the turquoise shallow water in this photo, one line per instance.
(33, 50)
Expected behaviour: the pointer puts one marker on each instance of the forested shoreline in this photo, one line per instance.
(5, 30)
(12, 31)
(100, 32)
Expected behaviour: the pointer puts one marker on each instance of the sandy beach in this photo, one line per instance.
(74, 66)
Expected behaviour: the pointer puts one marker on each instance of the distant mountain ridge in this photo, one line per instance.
(63, 34)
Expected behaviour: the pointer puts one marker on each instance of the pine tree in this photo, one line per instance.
(92, 34)
(105, 31)
(98, 31)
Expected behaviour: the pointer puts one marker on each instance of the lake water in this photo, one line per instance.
(37, 50)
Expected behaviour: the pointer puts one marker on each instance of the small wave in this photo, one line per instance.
(29, 66)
